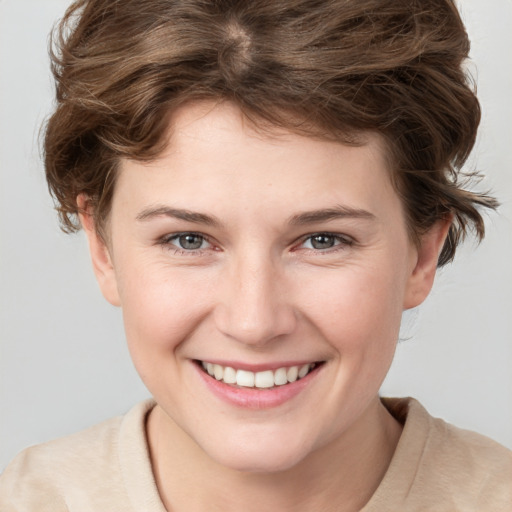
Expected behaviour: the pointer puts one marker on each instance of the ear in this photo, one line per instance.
(424, 270)
(100, 255)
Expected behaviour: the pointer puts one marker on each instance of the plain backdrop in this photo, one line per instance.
(63, 361)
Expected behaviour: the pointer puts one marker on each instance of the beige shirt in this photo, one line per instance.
(436, 467)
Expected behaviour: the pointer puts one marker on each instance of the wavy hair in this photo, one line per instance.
(328, 68)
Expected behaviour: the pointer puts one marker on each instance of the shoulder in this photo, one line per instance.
(438, 466)
(78, 469)
(470, 462)
(473, 453)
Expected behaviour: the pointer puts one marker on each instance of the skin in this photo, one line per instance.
(258, 292)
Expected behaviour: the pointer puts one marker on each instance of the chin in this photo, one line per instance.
(258, 463)
(257, 456)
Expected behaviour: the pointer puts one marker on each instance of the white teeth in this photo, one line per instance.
(280, 377)
(303, 371)
(229, 375)
(264, 379)
(292, 373)
(218, 371)
(244, 378)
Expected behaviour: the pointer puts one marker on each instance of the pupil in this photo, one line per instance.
(322, 241)
(190, 241)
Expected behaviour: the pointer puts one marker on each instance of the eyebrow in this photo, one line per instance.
(300, 219)
(176, 213)
(339, 212)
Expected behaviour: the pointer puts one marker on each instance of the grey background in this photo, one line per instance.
(63, 361)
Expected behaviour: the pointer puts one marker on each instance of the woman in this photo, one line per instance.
(265, 187)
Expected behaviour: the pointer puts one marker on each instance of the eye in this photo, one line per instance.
(325, 241)
(190, 241)
(186, 241)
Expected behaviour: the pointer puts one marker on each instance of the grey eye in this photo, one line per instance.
(190, 241)
(323, 241)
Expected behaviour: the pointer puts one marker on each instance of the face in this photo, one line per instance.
(279, 263)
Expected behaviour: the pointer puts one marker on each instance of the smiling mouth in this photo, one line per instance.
(260, 380)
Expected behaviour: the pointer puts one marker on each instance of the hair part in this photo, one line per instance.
(330, 69)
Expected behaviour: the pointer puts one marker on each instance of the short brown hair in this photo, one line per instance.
(324, 68)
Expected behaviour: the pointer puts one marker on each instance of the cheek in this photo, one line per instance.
(357, 307)
(160, 308)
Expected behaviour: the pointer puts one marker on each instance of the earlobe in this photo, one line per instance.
(100, 255)
(423, 273)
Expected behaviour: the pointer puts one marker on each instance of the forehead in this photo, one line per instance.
(202, 120)
(215, 154)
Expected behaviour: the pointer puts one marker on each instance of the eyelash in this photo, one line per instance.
(167, 240)
(341, 243)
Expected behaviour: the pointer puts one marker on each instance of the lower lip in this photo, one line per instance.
(254, 398)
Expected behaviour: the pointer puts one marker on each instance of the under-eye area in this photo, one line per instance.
(265, 379)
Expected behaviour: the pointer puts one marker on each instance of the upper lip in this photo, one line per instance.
(240, 365)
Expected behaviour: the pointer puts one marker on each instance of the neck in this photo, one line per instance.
(341, 476)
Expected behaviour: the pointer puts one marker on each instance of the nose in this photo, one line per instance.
(253, 307)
